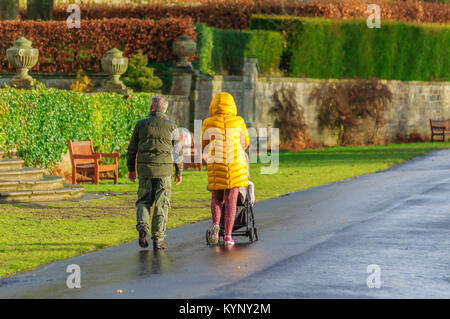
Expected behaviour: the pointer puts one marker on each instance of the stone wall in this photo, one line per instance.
(413, 104)
(59, 81)
(208, 87)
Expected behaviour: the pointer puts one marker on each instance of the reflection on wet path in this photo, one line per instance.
(154, 263)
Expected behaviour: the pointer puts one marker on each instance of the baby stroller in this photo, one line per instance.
(244, 224)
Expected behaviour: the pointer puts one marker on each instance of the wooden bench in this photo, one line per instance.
(189, 153)
(85, 160)
(439, 128)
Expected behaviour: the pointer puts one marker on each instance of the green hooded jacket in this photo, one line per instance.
(156, 142)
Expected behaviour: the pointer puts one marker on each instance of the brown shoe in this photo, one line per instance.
(143, 240)
(159, 245)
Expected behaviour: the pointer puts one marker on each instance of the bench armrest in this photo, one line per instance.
(80, 156)
(108, 154)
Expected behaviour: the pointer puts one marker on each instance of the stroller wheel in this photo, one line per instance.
(251, 235)
(256, 233)
(208, 234)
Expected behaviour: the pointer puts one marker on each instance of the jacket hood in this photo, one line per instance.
(223, 103)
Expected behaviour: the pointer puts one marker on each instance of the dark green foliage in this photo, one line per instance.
(40, 9)
(329, 48)
(139, 76)
(228, 50)
(164, 72)
(40, 121)
(9, 10)
(286, 24)
(222, 51)
(203, 61)
(267, 47)
(396, 51)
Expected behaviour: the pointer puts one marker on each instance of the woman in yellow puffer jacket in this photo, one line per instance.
(224, 140)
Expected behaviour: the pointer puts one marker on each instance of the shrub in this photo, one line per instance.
(40, 121)
(66, 50)
(140, 77)
(289, 117)
(82, 83)
(223, 51)
(164, 72)
(350, 105)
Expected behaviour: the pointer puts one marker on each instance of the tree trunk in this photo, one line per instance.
(9, 10)
(40, 9)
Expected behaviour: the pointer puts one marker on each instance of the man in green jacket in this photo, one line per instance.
(156, 145)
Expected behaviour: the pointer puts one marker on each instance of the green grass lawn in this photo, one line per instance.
(35, 234)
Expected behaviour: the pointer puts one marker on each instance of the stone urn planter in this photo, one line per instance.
(184, 47)
(22, 57)
(115, 64)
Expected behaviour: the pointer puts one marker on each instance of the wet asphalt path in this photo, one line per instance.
(313, 244)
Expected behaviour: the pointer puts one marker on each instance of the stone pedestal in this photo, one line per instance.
(184, 85)
(250, 75)
(182, 81)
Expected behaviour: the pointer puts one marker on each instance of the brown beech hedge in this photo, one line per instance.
(235, 14)
(64, 50)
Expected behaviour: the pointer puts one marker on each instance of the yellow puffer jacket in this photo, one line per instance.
(226, 138)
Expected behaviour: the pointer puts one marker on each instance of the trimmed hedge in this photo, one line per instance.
(40, 121)
(65, 50)
(222, 51)
(236, 14)
(328, 48)
(203, 61)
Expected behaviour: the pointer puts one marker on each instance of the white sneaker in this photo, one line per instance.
(229, 242)
(214, 236)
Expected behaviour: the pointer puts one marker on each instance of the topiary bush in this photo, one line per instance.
(40, 121)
